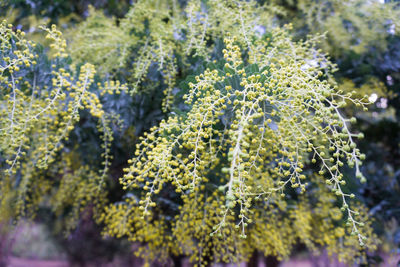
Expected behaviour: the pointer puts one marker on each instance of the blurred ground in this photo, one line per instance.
(34, 246)
(19, 262)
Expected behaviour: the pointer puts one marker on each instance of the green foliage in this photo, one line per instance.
(41, 101)
(163, 32)
(105, 45)
(351, 25)
(248, 132)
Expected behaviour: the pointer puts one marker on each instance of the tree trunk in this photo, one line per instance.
(253, 261)
(271, 261)
(177, 261)
(6, 241)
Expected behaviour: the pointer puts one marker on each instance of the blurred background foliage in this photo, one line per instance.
(361, 36)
